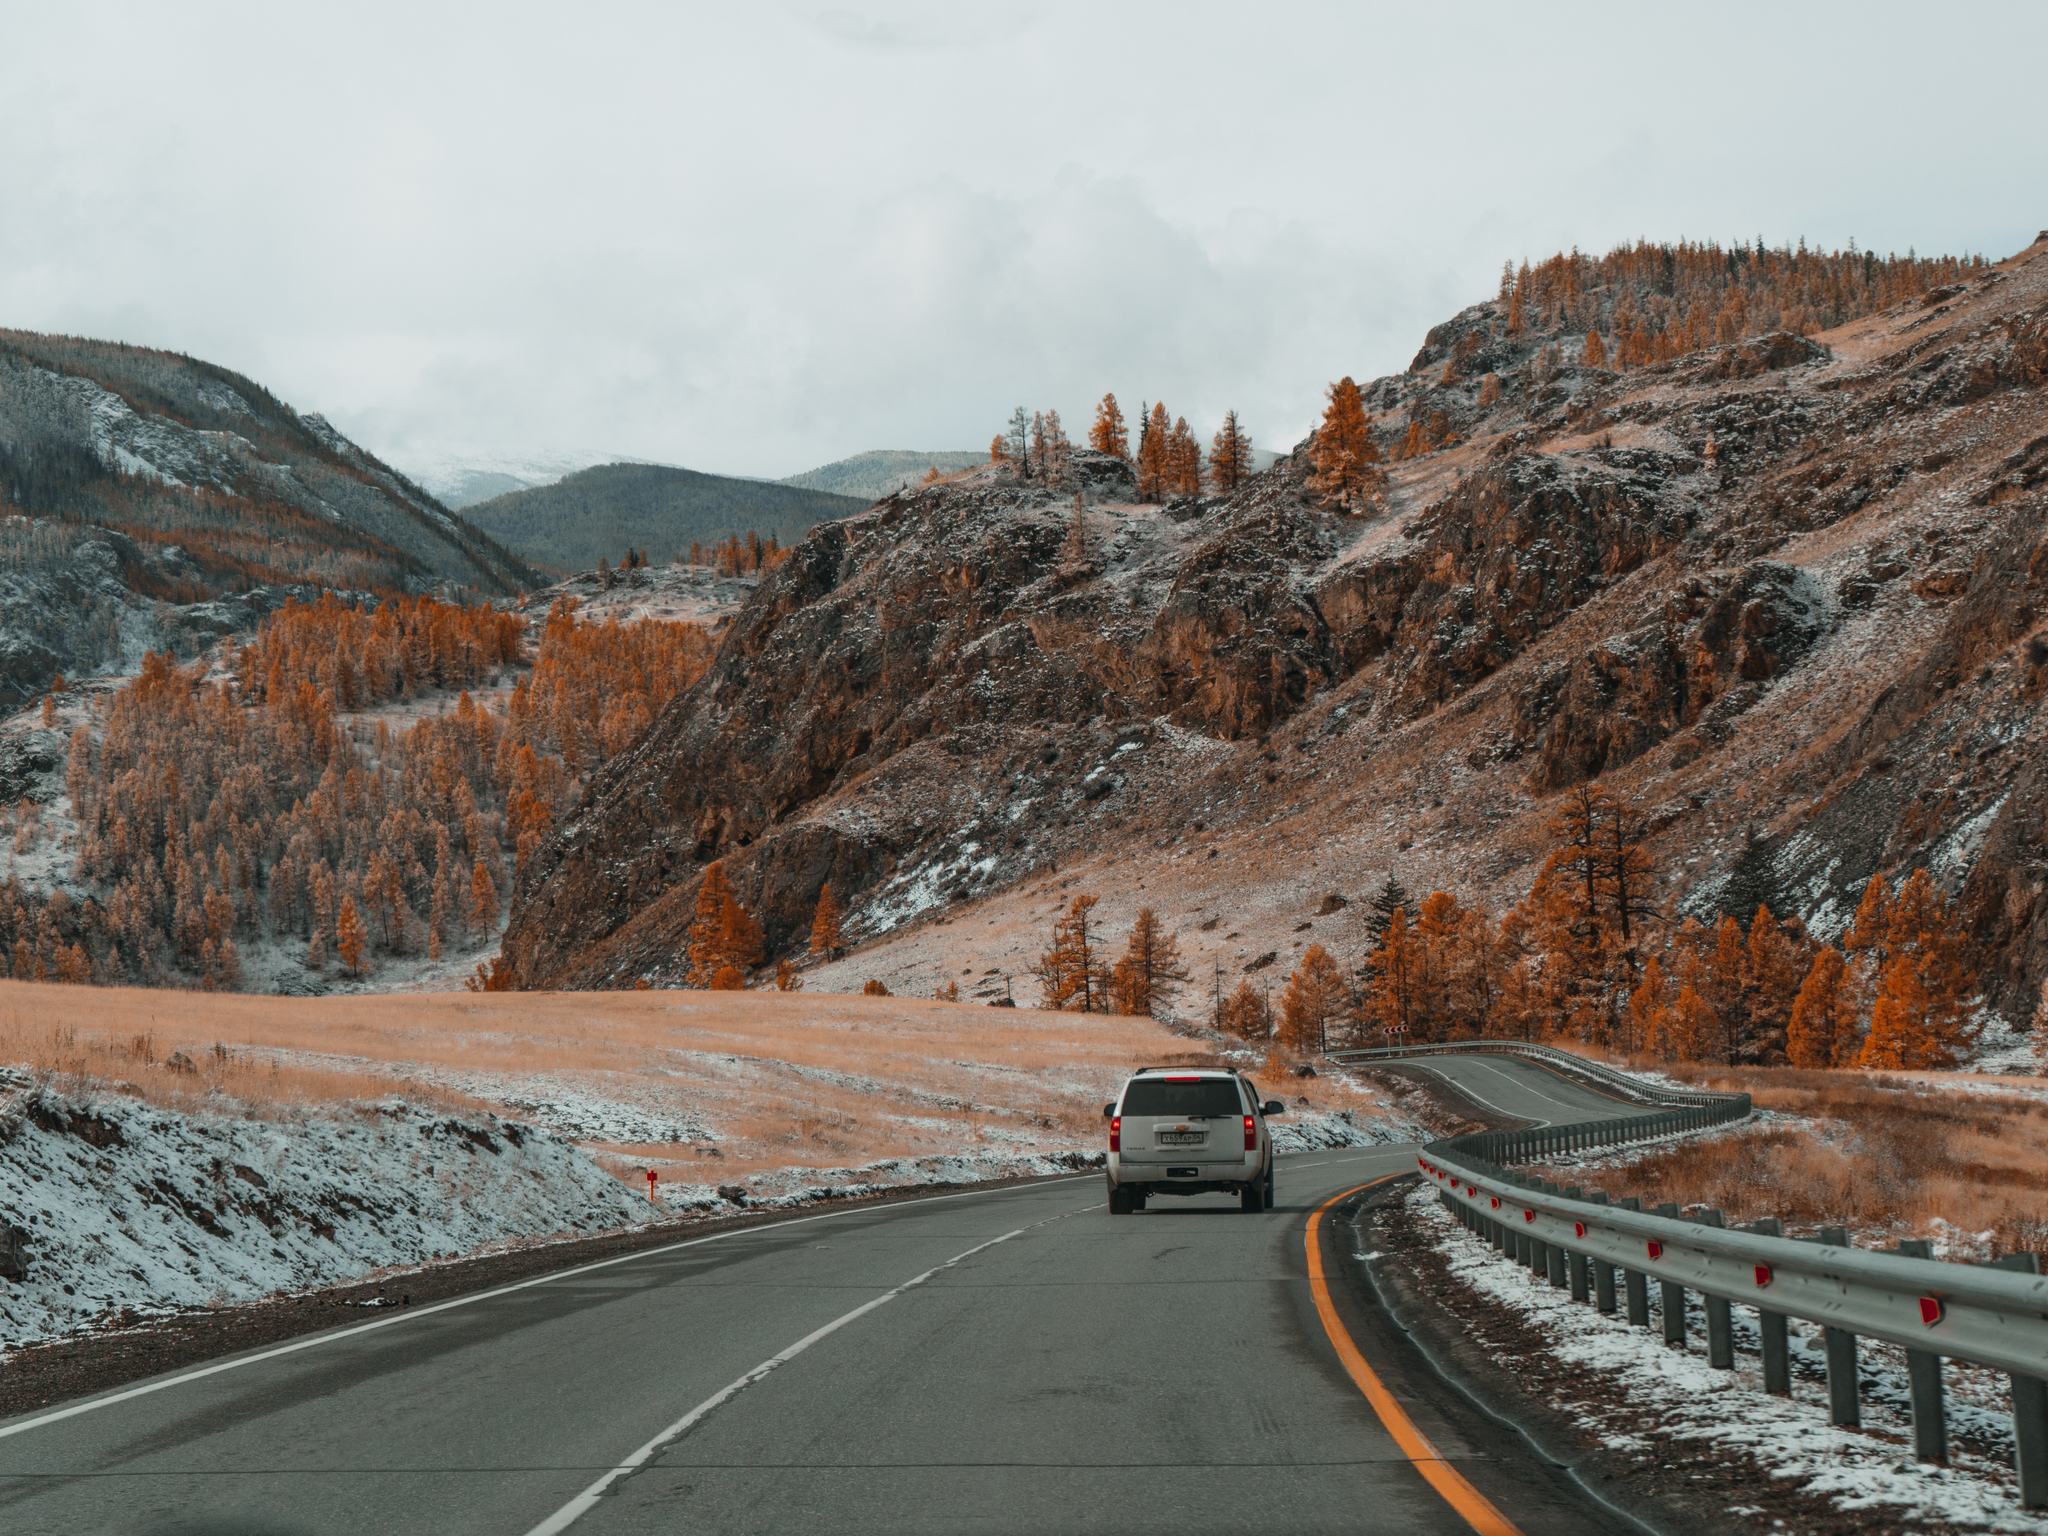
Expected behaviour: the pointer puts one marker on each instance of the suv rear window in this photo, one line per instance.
(1185, 1098)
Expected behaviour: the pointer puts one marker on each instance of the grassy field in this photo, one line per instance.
(712, 1086)
(1950, 1156)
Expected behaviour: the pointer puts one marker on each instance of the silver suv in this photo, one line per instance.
(1189, 1131)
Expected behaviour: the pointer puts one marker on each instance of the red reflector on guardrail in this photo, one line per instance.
(1496, 1202)
(1528, 1215)
(1763, 1274)
(1656, 1250)
(1930, 1310)
(1578, 1229)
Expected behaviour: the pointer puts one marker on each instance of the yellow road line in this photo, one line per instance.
(1469, 1502)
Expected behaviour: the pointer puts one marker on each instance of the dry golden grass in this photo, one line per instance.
(1888, 1157)
(774, 1079)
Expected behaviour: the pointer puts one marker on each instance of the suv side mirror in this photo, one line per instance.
(1108, 1110)
(1272, 1107)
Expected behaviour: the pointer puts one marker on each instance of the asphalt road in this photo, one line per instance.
(1006, 1361)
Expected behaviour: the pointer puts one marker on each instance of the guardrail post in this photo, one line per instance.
(1720, 1325)
(1603, 1272)
(2029, 1411)
(1673, 1294)
(1550, 1255)
(1635, 1283)
(1770, 1326)
(1574, 1259)
(1843, 1407)
(1923, 1376)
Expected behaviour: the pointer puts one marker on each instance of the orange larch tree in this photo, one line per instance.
(826, 939)
(1345, 457)
(1108, 435)
(1230, 456)
(1820, 1033)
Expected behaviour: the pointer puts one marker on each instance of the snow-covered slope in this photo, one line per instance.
(127, 1205)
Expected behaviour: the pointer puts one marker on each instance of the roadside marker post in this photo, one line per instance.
(650, 1186)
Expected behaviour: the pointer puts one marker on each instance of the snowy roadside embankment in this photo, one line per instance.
(1673, 1394)
(128, 1205)
(1313, 1130)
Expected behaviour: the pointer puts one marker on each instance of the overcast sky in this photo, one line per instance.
(752, 238)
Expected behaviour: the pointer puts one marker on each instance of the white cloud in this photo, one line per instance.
(752, 239)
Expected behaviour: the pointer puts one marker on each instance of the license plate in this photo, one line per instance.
(1182, 1138)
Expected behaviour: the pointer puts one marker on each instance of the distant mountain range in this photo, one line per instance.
(603, 511)
(871, 476)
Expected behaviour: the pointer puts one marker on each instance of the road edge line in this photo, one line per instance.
(1472, 1506)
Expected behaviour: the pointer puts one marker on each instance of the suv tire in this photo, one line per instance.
(1252, 1197)
(1119, 1202)
(1271, 1196)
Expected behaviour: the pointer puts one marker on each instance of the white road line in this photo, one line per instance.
(1462, 1088)
(585, 1501)
(1504, 1077)
(463, 1301)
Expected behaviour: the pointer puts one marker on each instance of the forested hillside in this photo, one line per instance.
(330, 793)
(871, 476)
(1745, 544)
(602, 512)
(169, 450)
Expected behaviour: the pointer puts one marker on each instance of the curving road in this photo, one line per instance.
(1005, 1361)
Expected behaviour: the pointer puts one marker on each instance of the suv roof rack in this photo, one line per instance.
(1184, 1067)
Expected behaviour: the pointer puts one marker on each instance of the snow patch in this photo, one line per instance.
(128, 1205)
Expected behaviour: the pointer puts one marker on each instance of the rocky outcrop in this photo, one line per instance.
(1787, 602)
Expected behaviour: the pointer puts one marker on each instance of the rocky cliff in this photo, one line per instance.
(1785, 593)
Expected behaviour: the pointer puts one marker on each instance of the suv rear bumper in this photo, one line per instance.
(1207, 1178)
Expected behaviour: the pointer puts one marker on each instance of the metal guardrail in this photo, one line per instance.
(1992, 1316)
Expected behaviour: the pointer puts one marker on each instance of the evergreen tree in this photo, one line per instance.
(1647, 1006)
(1155, 463)
(483, 903)
(1691, 1025)
(350, 938)
(740, 942)
(1315, 994)
(1345, 457)
(1150, 971)
(825, 925)
(1390, 997)
(1020, 439)
(1596, 351)
(1773, 976)
(1390, 898)
(1184, 461)
(1245, 1013)
(1230, 456)
(1920, 1018)
(1818, 1035)
(1070, 972)
(1056, 461)
(1107, 435)
(703, 947)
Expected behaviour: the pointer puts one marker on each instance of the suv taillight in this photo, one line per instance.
(1116, 1134)
(1251, 1135)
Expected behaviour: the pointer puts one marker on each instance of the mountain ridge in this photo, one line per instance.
(1672, 578)
(658, 509)
(154, 442)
